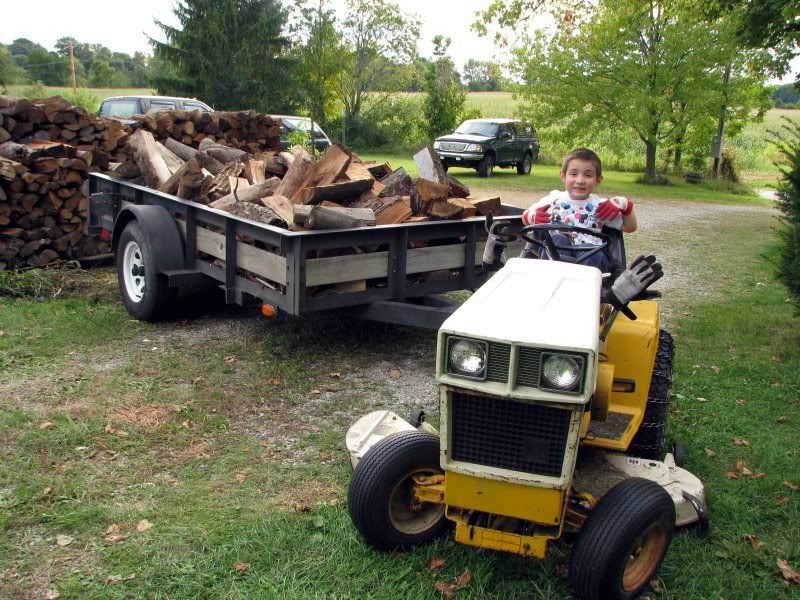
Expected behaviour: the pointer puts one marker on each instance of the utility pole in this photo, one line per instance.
(72, 68)
(719, 139)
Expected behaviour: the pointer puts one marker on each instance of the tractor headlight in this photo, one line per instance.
(562, 372)
(466, 358)
(473, 148)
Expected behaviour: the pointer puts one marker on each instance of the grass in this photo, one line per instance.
(213, 431)
(544, 178)
(98, 93)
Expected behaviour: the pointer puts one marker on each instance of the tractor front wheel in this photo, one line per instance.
(381, 495)
(621, 547)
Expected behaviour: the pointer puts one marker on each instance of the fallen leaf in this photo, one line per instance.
(436, 563)
(114, 579)
(198, 380)
(334, 502)
(46, 425)
(462, 580)
(780, 499)
(445, 589)
(789, 574)
(329, 388)
(741, 466)
(315, 392)
(240, 477)
(792, 486)
(241, 567)
(777, 358)
(274, 381)
(655, 585)
(45, 492)
(51, 595)
(710, 452)
(394, 373)
(740, 442)
(187, 424)
(776, 384)
(781, 419)
(699, 399)
(754, 541)
(741, 401)
(143, 525)
(230, 359)
(337, 375)
(325, 455)
(732, 474)
(115, 537)
(64, 540)
(302, 507)
(114, 431)
(716, 369)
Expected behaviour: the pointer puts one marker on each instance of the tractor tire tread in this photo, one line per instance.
(649, 440)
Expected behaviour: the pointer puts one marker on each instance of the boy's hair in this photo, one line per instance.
(582, 154)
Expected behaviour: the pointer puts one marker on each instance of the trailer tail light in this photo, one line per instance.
(105, 234)
(268, 311)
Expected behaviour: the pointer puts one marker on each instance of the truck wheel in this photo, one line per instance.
(145, 292)
(649, 440)
(380, 497)
(621, 547)
(486, 166)
(524, 167)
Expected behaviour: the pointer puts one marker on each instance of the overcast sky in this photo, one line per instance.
(124, 26)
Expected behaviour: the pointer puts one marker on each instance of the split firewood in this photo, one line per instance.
(282, 207)
(335, 192)
(190, 185)
(324, 217)
(254, 170)
(457, 189)
(467, 208)
(251, 194)
(292, 182)
(429, 165)
(443, 210)
(397, 183)
(221, 152)
(484, 204)
(171, 185)
(331, 167)
(172, 161)
(379, 171)
(149, 160)
(255, 212)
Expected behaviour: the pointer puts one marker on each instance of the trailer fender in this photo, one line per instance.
(161, 231)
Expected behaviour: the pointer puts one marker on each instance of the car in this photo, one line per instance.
(292, 123)
(484, 144)
(125, 107)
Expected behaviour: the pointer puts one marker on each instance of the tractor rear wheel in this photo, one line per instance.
(649, 440)
(621, 547)
(381, 495)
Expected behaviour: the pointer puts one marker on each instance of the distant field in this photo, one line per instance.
(99, 93)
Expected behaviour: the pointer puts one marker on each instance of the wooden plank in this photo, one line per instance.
(339, 269)
(268, 265)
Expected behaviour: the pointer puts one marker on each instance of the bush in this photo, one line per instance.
(392, 124)
(788, 142)
(655, 180)
(83, 98)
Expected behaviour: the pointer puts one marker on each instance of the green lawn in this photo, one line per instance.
(544, 178)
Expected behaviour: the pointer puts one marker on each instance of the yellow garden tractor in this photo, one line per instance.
(554, 382)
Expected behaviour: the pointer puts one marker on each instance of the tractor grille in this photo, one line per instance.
(529, 438)
(452, 147)
(499, 361)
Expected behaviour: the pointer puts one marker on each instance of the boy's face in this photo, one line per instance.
(581, 178)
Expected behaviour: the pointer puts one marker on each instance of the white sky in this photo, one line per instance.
(124, 25)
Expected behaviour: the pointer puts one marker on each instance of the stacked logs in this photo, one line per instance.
(42, 204)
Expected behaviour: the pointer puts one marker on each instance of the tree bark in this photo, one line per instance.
(650, 159)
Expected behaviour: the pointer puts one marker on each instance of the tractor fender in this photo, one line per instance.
(161, 232)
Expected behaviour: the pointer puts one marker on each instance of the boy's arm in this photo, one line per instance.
(629, 224)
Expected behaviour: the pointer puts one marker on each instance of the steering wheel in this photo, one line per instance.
(552, 250)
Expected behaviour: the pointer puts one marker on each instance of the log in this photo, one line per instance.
(254, 212)
(181, 150)
(190, 184)
(484, 204)
(429, 165)
(324, 217)
(295, 176)
(443, 210)
(301, 212)
(468, 209)
(172, 161)
(254, 170)
(251, 194)
(149, 160)
(397, 183)
(331, 167)
(224, 154)
(336, 192)
(170, 186)
(282, 207)
(457, 189)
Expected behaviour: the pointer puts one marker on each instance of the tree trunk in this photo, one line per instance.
(650, 159)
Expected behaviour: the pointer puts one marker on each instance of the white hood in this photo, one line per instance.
(535, 302)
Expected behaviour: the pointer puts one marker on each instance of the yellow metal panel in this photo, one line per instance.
(526, 545)
(602, 392)
(538, 504)
(631, 349)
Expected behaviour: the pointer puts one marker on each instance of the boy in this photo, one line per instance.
(578, 206)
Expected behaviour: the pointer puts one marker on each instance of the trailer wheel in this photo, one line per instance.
(621, 547)
(381, 499)
(144, 291)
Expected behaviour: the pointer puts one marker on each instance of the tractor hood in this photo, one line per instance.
(534, 302)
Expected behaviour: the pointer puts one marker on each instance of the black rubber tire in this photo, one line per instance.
(524, 167)
(679, 453)
(649, 440)
(158, 299)
(416, 418)
(486, 166)
(378, 473)
(600, 555)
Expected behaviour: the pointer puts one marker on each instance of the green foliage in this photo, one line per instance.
(47, 67)
(83, 98)
(101, 74)
(390, 123)
(444, 96)
(785, 96)
(483, 76)
(230, 53)
(9, 71)
(38, 284)
(788, 141)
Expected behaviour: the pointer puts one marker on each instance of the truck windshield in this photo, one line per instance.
(478, 128)
(119, 108)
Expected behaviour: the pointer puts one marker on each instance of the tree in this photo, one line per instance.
(230, 53)
(9, 71)
(48, 67)
(445, 98)
(377, 36)
(482, 76)
(644, 66)
(789, 204)
(23, 46)
(101, 74)
(784, 95)
(320, 60)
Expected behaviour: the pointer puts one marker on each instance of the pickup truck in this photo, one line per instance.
(484, 144)
(293, 123)
(124, 107)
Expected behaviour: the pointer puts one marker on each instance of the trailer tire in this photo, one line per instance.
(624, 541)
(144, 290)
(380, 497)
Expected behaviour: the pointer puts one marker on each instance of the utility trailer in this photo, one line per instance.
(163, 243)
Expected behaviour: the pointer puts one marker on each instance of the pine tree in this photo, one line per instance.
(789, 205)
(232, 54)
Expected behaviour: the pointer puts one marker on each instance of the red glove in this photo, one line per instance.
(539, 217)
(610, 209)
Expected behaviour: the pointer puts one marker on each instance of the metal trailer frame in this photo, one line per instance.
(399, 300)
